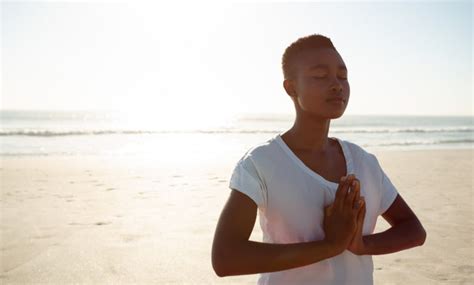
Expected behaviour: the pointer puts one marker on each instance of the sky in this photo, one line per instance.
(207, 59)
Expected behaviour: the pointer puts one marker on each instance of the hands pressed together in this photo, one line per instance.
(343, 219)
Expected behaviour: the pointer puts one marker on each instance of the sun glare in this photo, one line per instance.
(177, 119)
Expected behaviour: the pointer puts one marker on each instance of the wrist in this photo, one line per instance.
(365, 248)
(335, 247)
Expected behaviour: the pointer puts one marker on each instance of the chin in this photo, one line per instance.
(326, 114)
(335, 115)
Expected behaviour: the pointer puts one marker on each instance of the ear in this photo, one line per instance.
(289, 88)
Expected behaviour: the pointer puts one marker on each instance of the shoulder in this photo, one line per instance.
(259, 151)
(359, 153)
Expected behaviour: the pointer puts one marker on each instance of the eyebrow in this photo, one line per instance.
(326, 66)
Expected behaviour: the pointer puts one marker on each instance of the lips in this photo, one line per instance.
(336, 100)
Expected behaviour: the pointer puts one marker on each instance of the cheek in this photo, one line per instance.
(311, 100)
(314, 91)
(312, 88)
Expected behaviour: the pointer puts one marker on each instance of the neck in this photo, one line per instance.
(309, 133)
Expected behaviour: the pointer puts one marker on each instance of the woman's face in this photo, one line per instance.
(320, 76)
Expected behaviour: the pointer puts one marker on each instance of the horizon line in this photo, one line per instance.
(238, 113)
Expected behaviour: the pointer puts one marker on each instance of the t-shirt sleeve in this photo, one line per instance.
(245, 179)
(388, 190)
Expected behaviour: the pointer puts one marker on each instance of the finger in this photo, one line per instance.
(339, 191)
(355, 193)
(362, 209)
(360, 223)
(339, 187)
(348, 193)
(358, 217)
(349, 199)
(342, 192)
(351, 195)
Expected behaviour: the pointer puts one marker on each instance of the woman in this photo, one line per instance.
(318, 198)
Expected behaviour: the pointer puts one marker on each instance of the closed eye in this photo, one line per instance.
(321, 77)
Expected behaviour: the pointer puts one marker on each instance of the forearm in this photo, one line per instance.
(399, 237)
(251, 257)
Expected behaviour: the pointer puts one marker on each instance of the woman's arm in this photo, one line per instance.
(406, 231)
(234, 254)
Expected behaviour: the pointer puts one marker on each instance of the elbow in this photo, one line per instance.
(218, 271)
(226, 258)
(219, 263)
(422, 237)
(417, 233)
(218, 268)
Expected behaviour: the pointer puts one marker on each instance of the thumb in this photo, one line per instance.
(362, 209)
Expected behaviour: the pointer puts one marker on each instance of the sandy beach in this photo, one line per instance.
(99, 220)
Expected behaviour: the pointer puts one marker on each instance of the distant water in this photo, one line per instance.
(98, 133)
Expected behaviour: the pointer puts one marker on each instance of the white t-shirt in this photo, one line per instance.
(291, 199)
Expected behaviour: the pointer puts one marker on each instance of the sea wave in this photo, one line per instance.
(53, 132)
(434, 142)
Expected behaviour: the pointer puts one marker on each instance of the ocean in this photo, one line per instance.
(66, 133)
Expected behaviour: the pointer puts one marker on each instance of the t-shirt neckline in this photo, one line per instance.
(289, 152)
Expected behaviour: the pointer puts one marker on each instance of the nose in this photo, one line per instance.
(337, 88)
